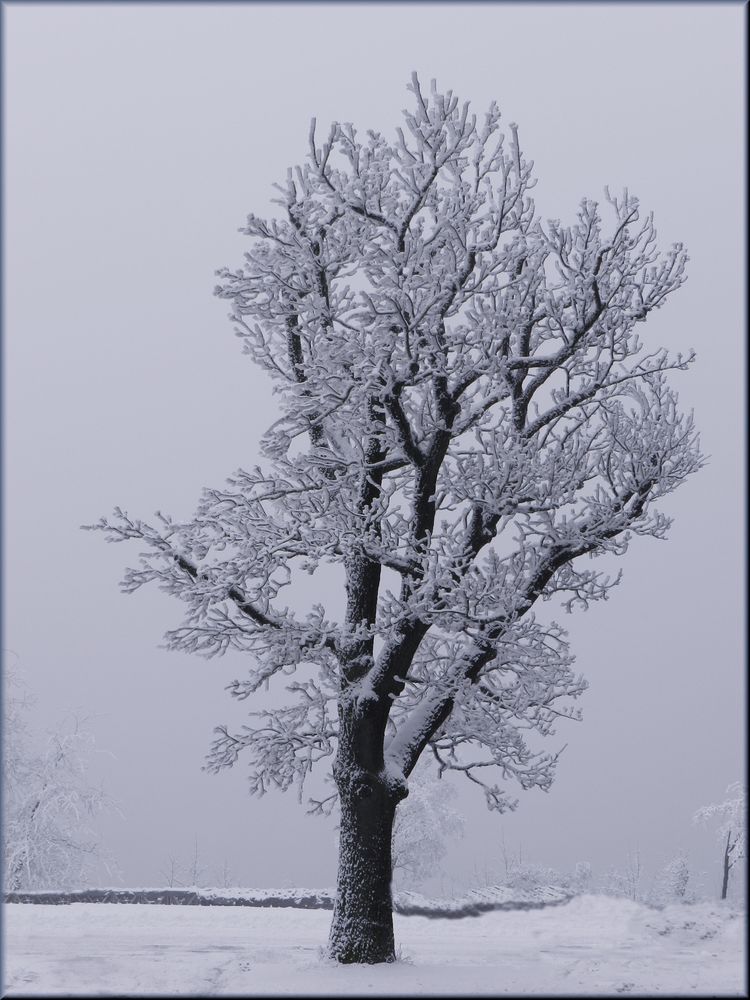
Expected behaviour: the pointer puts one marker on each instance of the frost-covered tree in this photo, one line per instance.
(732, 829)
(626, 881)
(468, 415)
(424, 824)
(581, 878)
(527, 875)
(48, 800)
(671, 882)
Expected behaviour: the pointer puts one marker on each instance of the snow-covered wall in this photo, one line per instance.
(407, 903)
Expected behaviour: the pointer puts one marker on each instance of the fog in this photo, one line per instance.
(137, 138)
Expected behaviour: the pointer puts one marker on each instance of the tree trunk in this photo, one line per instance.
(725, 881)
(362, 927)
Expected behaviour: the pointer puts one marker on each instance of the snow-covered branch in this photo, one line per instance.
(49, 801)
(468, 413)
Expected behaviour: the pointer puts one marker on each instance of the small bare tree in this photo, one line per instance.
(226, 877)
(188, 872)
(172, 872)
(481, 419)
(196, 870)
(626, 881)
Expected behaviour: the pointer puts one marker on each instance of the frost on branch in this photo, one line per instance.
(48, 800)
(285, 744)
(469, 416)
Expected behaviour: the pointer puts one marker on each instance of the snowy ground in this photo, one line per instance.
(592, 945)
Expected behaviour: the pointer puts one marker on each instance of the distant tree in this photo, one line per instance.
(582, 878)
(48, 800)
(517, 873)
(188, 872)
(626, 881)
(732, 828)
(481, 418)
(520, 874)
(196, 870)
(509, 862)
(425, 824)
(172, 872)
(225, 878)
(671, 883)
(529, 875)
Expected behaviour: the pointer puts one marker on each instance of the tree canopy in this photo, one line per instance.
(468, 411)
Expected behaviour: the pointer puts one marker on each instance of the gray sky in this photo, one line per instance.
(137, 138)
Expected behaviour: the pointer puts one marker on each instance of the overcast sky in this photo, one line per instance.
(137, 138)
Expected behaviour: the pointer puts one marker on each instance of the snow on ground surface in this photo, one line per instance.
(592, 945)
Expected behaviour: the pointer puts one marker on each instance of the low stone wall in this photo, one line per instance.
(479, 901)
(406, 903)
(176, 897)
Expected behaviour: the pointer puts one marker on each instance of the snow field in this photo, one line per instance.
(592, 945)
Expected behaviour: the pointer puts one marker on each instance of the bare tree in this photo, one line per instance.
(226, 878)
(172, 872)
(732, 830)
(190, 872)
(195, 869)
(480, 419)
(626, 881)
(510, 864)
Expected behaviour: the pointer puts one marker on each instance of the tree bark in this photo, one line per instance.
(725, 881)
(362, 926)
